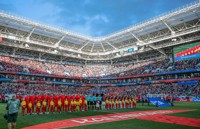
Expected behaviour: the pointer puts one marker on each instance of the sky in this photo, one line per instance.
(95, 18)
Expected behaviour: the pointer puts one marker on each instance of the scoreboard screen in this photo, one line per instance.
(188, 51)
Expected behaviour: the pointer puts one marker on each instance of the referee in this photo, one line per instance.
(13, 108)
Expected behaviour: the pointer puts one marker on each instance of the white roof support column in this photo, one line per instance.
(84, 45)
(58, 43)
(111, 45)
(111, 62)
(168, 26)
(157, 50)
(14, 51)
(29, 35)
(92, 48)
(40, 56)
(135, 37)
(103, 47)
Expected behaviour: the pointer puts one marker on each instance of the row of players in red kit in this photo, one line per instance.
(43, 104)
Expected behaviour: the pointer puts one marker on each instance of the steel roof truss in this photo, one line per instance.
(111, 45)
(28, 37)
(58, 43)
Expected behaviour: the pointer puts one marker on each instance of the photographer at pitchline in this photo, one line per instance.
(13, 108)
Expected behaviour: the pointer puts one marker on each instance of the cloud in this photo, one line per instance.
(86, 2)
(95, 18)
(90, 17)
(86, 24)
(44, 12)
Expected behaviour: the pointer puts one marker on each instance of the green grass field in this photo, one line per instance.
(29, 120)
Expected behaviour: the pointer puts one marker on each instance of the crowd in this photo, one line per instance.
(41, 99)
(34, 66)
(164, 88)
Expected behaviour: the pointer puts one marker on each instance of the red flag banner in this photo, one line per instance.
(1, 38)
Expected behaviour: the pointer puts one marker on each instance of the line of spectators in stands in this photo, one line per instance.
(164, 88)
(33, 66)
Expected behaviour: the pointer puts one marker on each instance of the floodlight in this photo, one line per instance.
(26, 45)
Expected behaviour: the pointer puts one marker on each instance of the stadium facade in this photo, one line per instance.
(151, 41)
(152, 38)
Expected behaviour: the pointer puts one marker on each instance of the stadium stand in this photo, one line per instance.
(141, 60)
(170, 88)
(13, 64)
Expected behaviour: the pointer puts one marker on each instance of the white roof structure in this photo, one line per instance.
(47, 39)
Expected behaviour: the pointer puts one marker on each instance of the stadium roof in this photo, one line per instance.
(151, 31)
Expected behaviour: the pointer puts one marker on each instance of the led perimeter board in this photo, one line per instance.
(188, 51)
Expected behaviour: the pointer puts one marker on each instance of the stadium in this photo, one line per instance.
(145, 76)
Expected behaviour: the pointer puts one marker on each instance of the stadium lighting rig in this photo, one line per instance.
(174, 39)
(26, 45)
(55, 51)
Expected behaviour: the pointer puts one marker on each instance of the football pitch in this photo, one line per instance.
(30, 120)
